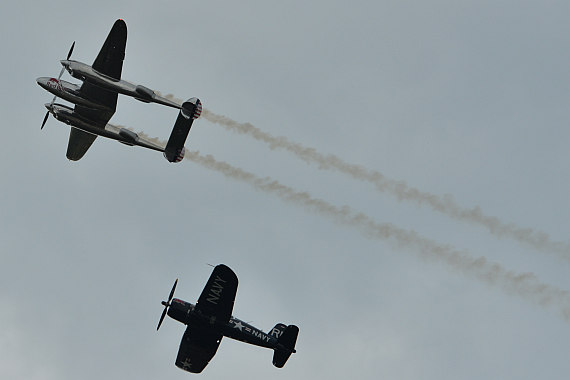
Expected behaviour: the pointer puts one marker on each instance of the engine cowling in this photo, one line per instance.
(180, 310)
(146, 94)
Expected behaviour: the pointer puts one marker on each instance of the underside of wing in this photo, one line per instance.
(217, 299)
(109, 62)
(79, 143)
(197, 348)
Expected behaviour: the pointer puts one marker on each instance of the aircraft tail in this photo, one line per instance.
(190, 111)
(287, 337)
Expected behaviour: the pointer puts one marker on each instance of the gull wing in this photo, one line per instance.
(214, 307)
(217, 299)
(197, 348)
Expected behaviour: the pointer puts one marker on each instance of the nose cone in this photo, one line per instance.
(51, 84)
(42, 81)
(49, 106)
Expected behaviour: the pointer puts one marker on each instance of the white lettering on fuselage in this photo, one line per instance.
(260, 335)
(276, 332)
(216, 290)
(55, 84)
(251, 331)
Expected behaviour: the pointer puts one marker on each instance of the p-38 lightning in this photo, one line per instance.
(211, 319)
(95, 101)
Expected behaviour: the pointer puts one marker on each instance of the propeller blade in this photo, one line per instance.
(61, 73)
(161, 319)
(166, 304)
(172, 291)
(59, 76)
(45, 119)
(67, 59)
(70, 50)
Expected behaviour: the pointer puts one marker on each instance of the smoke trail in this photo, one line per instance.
(400, 189)
(525, 285)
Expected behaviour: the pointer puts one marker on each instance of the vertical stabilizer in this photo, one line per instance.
(285, 345)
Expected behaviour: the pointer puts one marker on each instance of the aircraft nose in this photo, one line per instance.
(42, 81)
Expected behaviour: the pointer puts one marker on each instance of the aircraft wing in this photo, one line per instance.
(217, 299)
(197, 348)
(109, 61)
(79, 142)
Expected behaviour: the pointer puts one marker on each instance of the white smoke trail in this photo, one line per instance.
(526, 285)
(400, 189)
(445, 204)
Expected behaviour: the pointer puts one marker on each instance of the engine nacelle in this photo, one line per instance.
(180, 310)
(146, 94)
(130, 136)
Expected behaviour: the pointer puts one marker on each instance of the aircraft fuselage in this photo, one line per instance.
(68, 91)
(237, 329)
(84, 72)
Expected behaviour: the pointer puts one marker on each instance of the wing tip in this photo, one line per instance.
(120, 23)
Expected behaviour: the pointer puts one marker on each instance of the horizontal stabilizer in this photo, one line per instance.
(190, 110)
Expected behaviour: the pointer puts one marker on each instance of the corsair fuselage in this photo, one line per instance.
(237, 329)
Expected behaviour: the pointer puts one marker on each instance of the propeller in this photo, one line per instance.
(67, 59)
(60, 74)
(49, 106)
(45, 119)
(70, 50)
(166, 304)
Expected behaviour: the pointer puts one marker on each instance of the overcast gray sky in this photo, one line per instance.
(462, 106)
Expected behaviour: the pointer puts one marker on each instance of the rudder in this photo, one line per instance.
(285, 344)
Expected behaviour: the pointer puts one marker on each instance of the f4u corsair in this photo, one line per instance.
(211, 319)
(96, 101)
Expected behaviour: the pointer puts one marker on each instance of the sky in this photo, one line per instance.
(390, 176)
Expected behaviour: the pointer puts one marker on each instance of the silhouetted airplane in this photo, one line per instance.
(211, 319)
